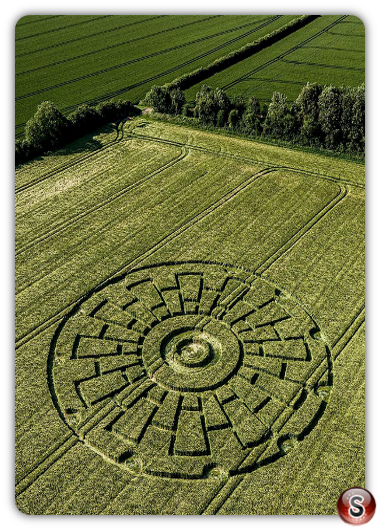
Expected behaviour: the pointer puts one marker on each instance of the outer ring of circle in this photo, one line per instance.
(116, 279)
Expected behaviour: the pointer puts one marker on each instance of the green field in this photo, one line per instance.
(329, 50)
(189, 313)
(85, 59)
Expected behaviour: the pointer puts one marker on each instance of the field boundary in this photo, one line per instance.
(138, 59)
(323, 176)
(268, 168)
(112, 46)
(225, 491)
(288, 245)
(203, 73)
(69, 442)
(87, 36)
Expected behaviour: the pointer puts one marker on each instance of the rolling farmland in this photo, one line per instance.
(86, 59)
(189, 317)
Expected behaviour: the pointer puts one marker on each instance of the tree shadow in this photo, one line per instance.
(88, 142)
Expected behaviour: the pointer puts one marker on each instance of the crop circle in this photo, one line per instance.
(190, 371)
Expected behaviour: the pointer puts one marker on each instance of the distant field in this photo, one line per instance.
(152, 249)
(77, 59)
(329, 50)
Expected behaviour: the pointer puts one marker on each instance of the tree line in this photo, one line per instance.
(321, 117)
(49, 129)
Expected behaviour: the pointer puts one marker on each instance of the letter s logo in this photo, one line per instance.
(356, 507)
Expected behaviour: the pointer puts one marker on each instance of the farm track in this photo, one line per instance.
(22, 340)
(61, 448)
(299, 228)
(352, 329)
(226, 490)
(150, 56)
(115, 93)
(324, 176)
(97, 150)
(38, 20)
(53, 456)
(289, 244)
(130, 187)
(324, 65)
(284, 54)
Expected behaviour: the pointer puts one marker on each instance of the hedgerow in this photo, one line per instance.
(202, 73)
(321, 117)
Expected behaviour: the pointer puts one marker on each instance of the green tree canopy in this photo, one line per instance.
(330, 113)
(165, 100)
(277, 118)
(212, 106)
(47, 128)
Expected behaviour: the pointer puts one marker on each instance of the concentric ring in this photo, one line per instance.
(172, 360)
(190, 370)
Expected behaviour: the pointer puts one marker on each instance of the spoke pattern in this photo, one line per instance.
(190, 370)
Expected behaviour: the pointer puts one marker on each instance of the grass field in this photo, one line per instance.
(76, 59)
(189, 322)
(329, 50)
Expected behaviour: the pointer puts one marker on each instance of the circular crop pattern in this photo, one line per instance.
(190, 370)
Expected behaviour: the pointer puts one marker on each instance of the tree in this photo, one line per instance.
(165, 100)
(23, 151)
(177, 100)
(223, 105)
(277, 120)
(307, 101)
(159, 99)
(357, 135)
(330, 112)
(251, 122)
(306, 110)
(212, 106)
(84, 119)
(205, 105)
(253, 106)
(47, 128)
(251, 116)
(239, 103)
(233, 118)
(221, 118)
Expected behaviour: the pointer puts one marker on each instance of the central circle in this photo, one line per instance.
(190, 350)
(191, 353)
